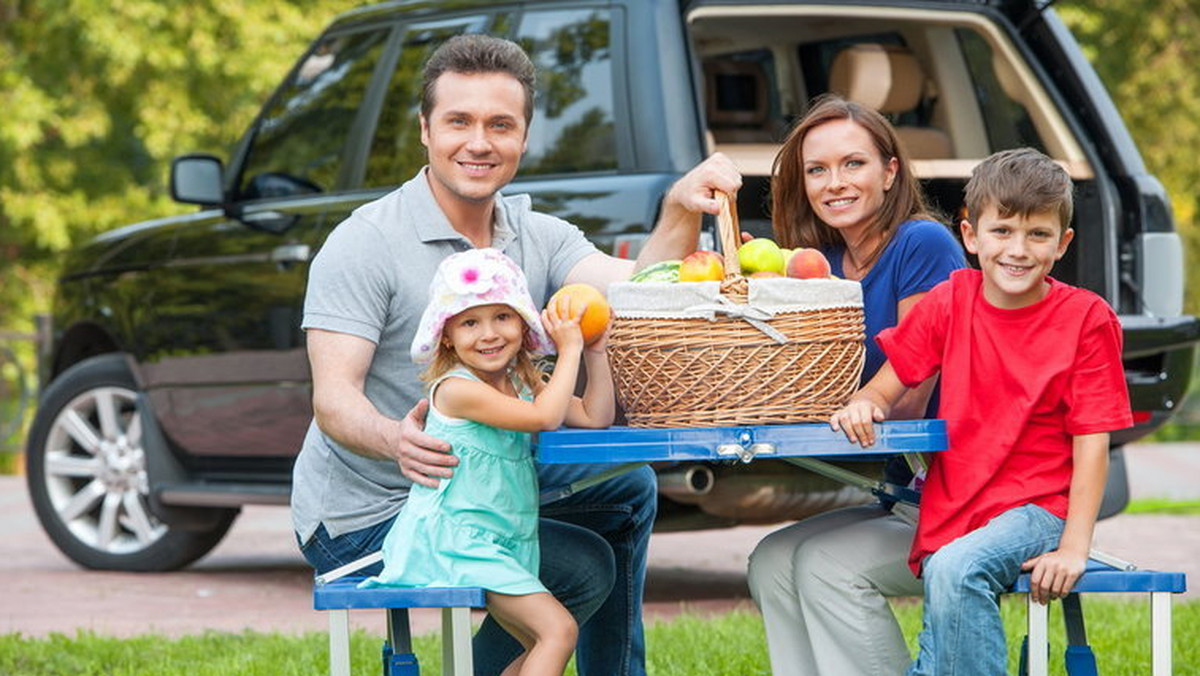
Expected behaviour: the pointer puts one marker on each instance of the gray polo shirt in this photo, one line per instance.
(371, 279)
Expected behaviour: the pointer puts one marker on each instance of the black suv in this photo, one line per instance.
(176, 383)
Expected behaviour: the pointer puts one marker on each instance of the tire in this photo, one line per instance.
(87, 477)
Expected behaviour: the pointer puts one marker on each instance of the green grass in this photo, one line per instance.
(1163, 506)
(726, 645)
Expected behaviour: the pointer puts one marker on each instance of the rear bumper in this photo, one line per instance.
(1159, 359)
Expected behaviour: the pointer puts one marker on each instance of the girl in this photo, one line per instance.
(479, 529)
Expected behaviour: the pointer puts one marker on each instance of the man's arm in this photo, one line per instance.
(1055, 573)
(339, 364)
(677, 232)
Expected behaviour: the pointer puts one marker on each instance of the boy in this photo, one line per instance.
(1032, 383)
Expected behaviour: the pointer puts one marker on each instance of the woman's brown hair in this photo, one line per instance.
(792, 216)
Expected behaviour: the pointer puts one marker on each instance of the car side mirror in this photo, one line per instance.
(198, 178)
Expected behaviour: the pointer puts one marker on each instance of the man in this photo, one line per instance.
(367, 289)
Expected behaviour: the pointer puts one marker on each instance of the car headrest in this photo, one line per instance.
(886, 78)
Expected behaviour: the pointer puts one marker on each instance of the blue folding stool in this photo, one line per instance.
(341, 595)
(1100, 578)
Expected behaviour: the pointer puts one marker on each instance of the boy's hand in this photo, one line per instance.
(1054, 574)
(858, 420)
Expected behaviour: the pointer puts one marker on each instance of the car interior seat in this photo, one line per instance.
(890, 80)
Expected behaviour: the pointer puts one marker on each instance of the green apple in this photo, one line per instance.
(760, 255)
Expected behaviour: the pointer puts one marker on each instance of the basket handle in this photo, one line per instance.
(729, 233)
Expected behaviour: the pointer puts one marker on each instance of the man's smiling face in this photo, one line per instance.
(475, 135)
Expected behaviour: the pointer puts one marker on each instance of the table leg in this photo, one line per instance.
(339, 643)
(1160, 633)
(1039, 651)
(456, 642)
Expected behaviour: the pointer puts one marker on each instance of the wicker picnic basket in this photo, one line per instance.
(737, 352)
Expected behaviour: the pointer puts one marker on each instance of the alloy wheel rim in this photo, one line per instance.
(95, 472)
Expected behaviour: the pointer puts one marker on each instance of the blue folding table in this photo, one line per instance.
(801, 444)
(805, 445)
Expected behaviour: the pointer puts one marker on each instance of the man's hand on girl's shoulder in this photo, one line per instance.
(424, 459)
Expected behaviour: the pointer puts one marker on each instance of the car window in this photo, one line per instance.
(396, 151)
(1005, 120)
(741, 100)
(300, 141)
(953, 83)
(573, 126)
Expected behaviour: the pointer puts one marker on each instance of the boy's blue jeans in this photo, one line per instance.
(962, 632)
(593, 556)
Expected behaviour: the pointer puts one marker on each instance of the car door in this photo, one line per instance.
(236, 279)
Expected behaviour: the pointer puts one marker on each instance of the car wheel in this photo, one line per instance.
(86, 464)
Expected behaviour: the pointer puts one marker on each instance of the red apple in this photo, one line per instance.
(808, 264)
(702, 266)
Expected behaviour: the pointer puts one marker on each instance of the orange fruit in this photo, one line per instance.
(595, 318)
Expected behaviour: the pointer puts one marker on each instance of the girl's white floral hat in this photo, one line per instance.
(469, 279)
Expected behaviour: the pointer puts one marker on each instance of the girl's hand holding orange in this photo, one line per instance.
(586, 301)
(563, 326)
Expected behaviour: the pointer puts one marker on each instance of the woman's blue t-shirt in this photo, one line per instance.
(921, 255)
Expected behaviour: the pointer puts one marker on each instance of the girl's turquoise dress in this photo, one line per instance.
(478, 528)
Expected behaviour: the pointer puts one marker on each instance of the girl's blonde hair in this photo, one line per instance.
(527, 370)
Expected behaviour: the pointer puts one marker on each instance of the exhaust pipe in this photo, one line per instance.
(686, 484)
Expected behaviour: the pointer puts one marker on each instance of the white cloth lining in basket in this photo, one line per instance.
(681, 300)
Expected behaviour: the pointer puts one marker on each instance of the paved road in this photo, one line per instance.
(255, 579)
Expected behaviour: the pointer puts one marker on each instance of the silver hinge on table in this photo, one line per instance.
(746, 453)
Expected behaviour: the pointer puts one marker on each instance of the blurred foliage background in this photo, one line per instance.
(97, 96)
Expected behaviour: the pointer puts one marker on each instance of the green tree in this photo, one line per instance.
(99, 95)
(1146, 53)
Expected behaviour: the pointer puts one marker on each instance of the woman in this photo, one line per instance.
(843, 184)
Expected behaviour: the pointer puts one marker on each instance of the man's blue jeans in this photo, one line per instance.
(593, 559)
(962, 632)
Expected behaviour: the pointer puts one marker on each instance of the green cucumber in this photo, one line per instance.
(662, 271)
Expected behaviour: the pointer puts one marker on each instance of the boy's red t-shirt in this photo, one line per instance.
(1016, 386)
